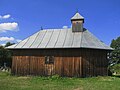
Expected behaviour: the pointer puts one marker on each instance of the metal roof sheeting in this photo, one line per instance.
(60, 38)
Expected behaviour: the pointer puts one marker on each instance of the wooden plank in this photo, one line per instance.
(72, 63)
(13, 65)
(69, 67)
(80, 75)
(56, 65)
(76, 66)
(69, 62)
(64, 66)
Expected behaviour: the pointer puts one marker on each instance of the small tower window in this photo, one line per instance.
(49, 59)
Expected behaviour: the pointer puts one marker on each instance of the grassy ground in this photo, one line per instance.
(8, 82)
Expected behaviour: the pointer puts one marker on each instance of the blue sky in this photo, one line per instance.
(22, 18)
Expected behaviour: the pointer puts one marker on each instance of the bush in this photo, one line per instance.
(115, 68)
(5, 57)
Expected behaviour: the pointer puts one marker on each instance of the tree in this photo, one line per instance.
(115, 55)
(9, 44)
(5, 55)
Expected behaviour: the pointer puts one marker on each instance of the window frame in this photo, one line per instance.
(49, 59)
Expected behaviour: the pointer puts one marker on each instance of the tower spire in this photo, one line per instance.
(77, 10)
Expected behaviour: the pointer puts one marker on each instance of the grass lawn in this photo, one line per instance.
(8, 82)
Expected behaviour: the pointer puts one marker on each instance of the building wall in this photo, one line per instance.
(67, 62)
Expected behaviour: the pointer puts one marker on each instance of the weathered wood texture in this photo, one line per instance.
(67, 62)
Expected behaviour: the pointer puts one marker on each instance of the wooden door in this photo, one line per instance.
(49, 65)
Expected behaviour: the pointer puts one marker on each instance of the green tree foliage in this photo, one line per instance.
(115, 55)
(5, 55)
(9, 44)
(115, 68)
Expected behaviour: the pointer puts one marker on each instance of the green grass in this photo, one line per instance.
(8, 82)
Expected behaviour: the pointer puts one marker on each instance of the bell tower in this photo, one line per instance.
(77, 23)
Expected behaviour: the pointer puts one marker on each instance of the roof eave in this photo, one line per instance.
(60, 48)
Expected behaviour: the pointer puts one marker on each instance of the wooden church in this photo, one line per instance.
(72, 52)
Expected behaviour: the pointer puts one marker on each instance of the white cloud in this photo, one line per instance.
(7, 38)
(65, 27)
(3, 44)
(8, 27)
(5, 16)
(18, 40)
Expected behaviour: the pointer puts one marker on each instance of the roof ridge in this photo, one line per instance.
(42, 39)
(49, 38)
(73, 39)
(26, 41)
(35, 38)
(57, 38)
(81, 39)
(97, 39)
(65, 38)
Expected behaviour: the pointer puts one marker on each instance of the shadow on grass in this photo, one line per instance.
(118, 76)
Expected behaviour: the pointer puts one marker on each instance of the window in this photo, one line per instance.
(77, 27)
(49, 59)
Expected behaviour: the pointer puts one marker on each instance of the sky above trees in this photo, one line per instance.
(22, 18)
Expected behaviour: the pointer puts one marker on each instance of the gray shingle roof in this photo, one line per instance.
(77, 16)
(60, 38)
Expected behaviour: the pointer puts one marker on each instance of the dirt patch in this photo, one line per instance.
(23, 77)
(78, 89)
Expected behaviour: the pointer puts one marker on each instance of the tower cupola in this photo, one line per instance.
(77, 23)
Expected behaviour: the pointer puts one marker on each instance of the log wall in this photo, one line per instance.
(67, 62)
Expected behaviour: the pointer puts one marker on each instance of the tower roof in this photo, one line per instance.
(77, 16)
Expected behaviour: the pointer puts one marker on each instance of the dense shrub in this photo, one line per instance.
(5, 57)
(115, 68)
